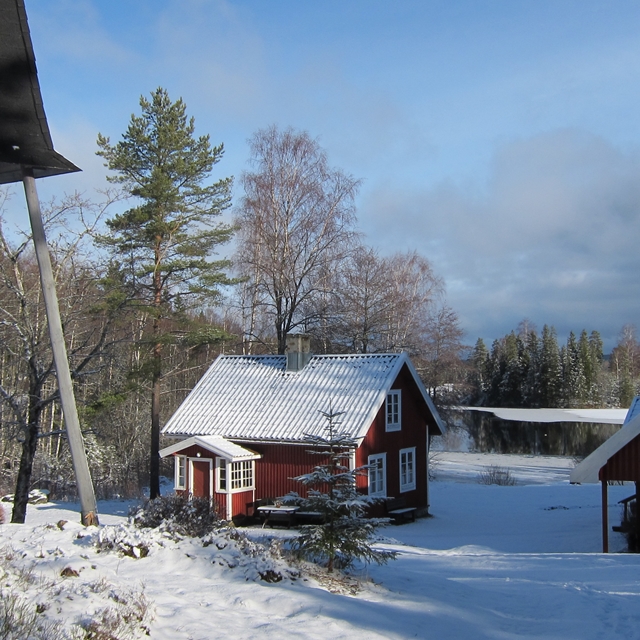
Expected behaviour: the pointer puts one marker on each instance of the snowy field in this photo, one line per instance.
(494, 562)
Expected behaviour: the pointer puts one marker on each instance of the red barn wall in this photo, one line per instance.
(624, 464)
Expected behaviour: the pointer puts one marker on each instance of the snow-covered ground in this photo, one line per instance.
(513, 562)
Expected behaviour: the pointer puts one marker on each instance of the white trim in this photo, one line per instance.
(393, 410)
(215, 444)
(383, 469)
(178, 462)
(410, 472)
(426, 475)
(219, 462)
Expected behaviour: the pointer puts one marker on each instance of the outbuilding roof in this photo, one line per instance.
(216, 444)
(256, 398)
(588, 470)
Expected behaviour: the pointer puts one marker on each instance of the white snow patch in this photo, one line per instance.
(493, 562)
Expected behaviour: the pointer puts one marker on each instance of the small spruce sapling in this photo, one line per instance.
(345, 534)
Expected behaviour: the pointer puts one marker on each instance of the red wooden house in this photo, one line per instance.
(241, 431)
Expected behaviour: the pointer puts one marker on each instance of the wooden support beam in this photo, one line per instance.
(88, 508)
(605, 518)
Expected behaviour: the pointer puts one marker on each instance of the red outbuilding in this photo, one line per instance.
(241, 433)
(615, 460)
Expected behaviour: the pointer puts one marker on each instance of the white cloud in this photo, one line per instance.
(554, 238)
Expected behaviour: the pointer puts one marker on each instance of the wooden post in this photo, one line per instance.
(88, 507)
(605, 518)
(637, 519)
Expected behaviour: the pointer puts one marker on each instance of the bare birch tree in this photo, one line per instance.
(295, 223)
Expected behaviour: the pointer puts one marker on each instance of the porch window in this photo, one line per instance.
(378, 475)
(180, 480)
(407, 469)
(221, 475)
(393, 411)
(242, 475)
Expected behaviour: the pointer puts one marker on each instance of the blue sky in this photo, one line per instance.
(500, 139)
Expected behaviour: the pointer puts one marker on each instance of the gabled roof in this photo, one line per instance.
(255, 398)
(589, 468)
(216, 444)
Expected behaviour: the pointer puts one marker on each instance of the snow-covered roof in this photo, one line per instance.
(216, 444)
(588, 470)
(598, 416)
(255, 398)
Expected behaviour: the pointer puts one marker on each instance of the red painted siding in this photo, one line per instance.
(280, 463)
(624, 464)
(412, 434)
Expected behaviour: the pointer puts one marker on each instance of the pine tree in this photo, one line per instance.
(596, 358)
(163, 244)
(550, 370)
(479, 377)
(531, 382)
(512, 376)
(345, 533)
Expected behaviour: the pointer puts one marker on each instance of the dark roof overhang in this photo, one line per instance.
(25, 141)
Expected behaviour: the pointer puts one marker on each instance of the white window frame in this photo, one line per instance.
(222, 473)
(393, 410)
(378, 470)
(407, 469)
(180, 465)
(241, 475)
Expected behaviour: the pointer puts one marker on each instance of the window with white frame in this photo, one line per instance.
(393, 410)
(180, 472)
(242, 475)
(378, 474)
(407, 469)
(221, 475)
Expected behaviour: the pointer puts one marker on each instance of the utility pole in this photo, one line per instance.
(26, 153)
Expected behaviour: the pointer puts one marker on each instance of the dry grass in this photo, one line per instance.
(496, 475)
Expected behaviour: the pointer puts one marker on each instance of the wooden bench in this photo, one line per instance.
(398, 511)
(309, 517)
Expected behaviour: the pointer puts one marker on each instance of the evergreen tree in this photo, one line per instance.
(345, 533)
(550, 370)
(574, 391)
(495, 369)
(479, 378)
(531, 382)
(594, 375)
(512, 371)
(164, 243)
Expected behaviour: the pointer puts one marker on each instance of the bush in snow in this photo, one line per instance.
(345, 534)
(1, 514)
(496, 475)
(176, 514)
(19, 618)
(34, 607)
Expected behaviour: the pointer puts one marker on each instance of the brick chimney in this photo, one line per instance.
(298, 351)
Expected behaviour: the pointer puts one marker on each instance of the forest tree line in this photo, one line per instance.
(530, 370)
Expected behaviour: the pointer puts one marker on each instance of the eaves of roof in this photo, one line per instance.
(588, 470)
